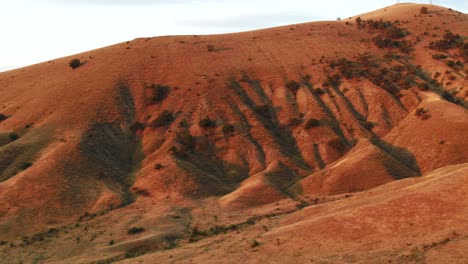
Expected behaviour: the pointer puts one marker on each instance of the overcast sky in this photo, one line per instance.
(33, 31)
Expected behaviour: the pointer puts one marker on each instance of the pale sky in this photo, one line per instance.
(34, 31)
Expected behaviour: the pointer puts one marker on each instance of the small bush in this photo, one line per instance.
(294, 121)
(263, 110)
(422, 113)
(228, 129)
(439, 56)
(159, 92)
(13, 136)
(312, 123)
(449, 41)
(135, 230)
(75, 63)
(112, 242)
(450, 63)
(318, 91)
(137, 126)
(334, 80)
(207, 123)
(293, 86)
(254, 243)
(158, 166)
(164, 119)
(211, 48)
(369, 125)
(338, 145)
(136, 252)
(424, 10)
(186, 140)
(2, 117)
(25, 166)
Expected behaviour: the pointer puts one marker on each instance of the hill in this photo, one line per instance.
(318, 141)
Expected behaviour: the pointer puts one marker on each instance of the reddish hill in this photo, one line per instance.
(193, 137)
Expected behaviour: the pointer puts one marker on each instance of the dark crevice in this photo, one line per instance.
(245, 129)
(318, 157)
(266, 115)
(333, 122)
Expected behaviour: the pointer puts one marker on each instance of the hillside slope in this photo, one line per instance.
(181, 134)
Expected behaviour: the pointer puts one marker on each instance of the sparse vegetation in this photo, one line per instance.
(439, 56)
(228, 129)
(294, 121)
(164, 119)
(312, 123)
(334, 80)
(318, 91)
(25, 165)
(158, 93)
(422, 113)
(369, 125)
(449, 41)
(136, 252)
(137, 126)
(424, 10)
(210, 48)
(75, 63)
(254, 243)
(389, 35)
(13, 136)
(135, 230)
(293, 86)
(338, 145)
(263, 110)
(158, 166)
(207, 123)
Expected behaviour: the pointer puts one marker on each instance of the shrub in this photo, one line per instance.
(263, 110)
(369, 125)
(293, 86)
(164, 119)
(137, 126)
(159, 92)
(186, 139)
(450, 63)
(424, 10)
(228, 129)
(75, 63)
(334, 80)
(449, 41)
(211, 48)
(207, 123)
(338, 145)
(136, 252)
(2, 117)
(254, 243)
(112, 242)
(312, 123)
(25, 166)
(294, 121)
(318, 91)
(420, 111)
(158, 166)
(135, 230)
(439, 56)
(13, 136)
